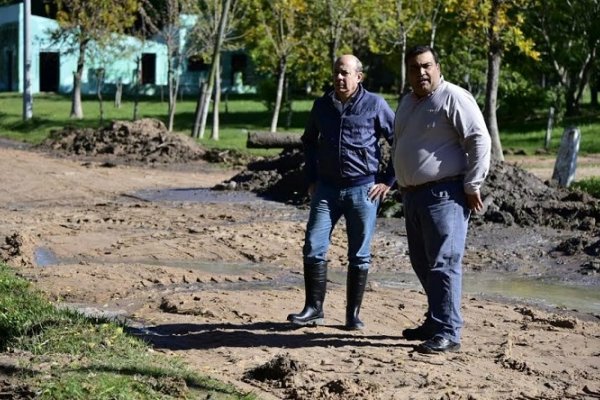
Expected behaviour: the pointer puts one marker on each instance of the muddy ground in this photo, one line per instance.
(211, 275)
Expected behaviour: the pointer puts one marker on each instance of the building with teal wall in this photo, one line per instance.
(53, 65)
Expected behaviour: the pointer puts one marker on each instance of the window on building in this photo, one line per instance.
(49, 74)
(148, 68)
(196, 64)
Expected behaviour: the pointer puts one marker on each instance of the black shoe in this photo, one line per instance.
(438, 345)
(418, 333)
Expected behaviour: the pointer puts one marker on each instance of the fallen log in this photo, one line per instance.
(273, 140)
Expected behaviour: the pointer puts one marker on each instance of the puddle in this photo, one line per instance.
(197, 195)
(493, 285)
(44, 257)
(543, 293)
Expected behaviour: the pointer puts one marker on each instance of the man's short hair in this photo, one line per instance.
(359, 65)
(420, 49)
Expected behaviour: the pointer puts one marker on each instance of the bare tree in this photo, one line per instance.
(166, 21)
(214, 31)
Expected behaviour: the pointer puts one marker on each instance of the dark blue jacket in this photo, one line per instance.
(343, 148)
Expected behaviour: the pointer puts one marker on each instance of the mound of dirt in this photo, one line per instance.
(279, 178)
(145, 140)
(515, 196)
(277, 371)
(285, 372)
(512, 196)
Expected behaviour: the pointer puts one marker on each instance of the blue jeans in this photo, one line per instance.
(436, 226)
(327, 206)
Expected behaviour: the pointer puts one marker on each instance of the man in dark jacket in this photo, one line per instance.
(342, 154)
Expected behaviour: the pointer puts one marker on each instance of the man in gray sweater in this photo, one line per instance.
(441, 156)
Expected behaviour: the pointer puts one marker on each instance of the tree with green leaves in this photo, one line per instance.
(334, 18)
(569, 36)
(273, 37)
(496, 25)
(82, 22)
(395, 23)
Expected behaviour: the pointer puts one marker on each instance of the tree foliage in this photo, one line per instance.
(496, 25)
(84, 21)
(274, 34)
(569, 36)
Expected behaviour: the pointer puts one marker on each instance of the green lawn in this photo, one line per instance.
(51, 111)
(89, 358)
(241, 113)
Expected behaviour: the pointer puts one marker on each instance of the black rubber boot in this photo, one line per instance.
(355, 288)
(315, 284)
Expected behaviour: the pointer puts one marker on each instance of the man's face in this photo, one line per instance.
(345, 78)
(424, 74)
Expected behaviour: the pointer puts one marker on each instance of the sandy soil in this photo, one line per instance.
(212, 281)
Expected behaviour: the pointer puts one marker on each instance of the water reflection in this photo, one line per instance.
(44, 257)
(495, 285)
(544, 293)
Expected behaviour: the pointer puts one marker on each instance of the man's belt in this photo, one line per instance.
(431, 183)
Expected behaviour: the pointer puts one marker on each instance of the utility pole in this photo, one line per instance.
(27, 98)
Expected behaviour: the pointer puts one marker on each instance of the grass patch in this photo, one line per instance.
(90, 358)
(590, 185)
(530, 136)
(240, 113)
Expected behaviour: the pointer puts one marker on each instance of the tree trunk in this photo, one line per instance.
(136, 89)
(206, 98)
(491, 99)
(287, 101)
(279, 96)
(76, 107)
(273, 140)
(173, 88)
(493, 77)
(402, 72)
(214, 69)
(27, 97)
(583, 77)
(118, 93)
(571, 106)
(198, 113)
(214, 135)
(100, 77)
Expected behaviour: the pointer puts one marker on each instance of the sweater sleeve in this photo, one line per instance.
(475, 138)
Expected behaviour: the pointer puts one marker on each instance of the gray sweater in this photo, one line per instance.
(439, 136)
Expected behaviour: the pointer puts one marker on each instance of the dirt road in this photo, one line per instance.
(212, 281)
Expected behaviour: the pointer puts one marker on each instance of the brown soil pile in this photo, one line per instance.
(145, 141)
(515, 196)
(278, 178)
(512, 195)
